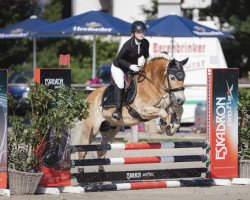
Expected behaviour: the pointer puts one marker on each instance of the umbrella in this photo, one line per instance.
(89, 23)
(177, 26)
(24, 29)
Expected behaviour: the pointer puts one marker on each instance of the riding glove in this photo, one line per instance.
(134, 68)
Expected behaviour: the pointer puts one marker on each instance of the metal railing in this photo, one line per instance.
(94, 86)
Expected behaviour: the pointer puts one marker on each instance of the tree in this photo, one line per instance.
(16, 54)
(15, 51)
(236, 14)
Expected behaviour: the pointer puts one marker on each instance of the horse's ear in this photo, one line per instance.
(183, 62)
(171, 63)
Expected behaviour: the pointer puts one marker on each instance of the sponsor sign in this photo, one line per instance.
(222, 122)
(92, 27)
(140, 175)
(52, 77)
(3, 128)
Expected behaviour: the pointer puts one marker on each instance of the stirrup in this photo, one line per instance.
(117, 115)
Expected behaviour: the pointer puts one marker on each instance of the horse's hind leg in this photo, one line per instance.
(108, 136)
(89, 132)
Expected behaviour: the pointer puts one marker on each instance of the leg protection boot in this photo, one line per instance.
(119, 99)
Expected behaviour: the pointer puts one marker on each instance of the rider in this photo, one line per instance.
(127, 61)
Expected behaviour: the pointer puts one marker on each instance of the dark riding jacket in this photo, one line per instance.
(128, 55)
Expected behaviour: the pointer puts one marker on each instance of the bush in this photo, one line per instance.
(244, 122)
(54, 110)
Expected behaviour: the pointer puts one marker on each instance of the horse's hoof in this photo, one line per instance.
(160, 132)
(101, 170)
(161, 127)
(168, 130)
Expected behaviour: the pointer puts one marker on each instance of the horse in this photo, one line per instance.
(160, 93)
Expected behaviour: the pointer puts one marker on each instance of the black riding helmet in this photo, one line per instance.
(138, 26)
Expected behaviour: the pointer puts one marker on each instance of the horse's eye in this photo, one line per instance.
(172, 78)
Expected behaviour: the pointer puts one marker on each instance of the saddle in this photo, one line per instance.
(108, 99)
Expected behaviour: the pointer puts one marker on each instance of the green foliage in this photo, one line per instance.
(236, 13)
(16, 10)
(16, 54)
(54, 110)
(53, 11)
(244, 122)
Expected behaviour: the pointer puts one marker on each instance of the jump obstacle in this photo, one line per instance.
(88, 177)
(222, 155)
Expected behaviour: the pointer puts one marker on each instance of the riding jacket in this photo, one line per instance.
(130, 52)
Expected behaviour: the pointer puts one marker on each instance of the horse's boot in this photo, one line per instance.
(118, 98)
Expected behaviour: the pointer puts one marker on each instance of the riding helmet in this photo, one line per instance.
(138, 26)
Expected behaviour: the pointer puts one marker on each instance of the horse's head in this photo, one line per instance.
(160, 70)
(174, 79)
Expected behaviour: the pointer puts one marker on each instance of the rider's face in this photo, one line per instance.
(139, 35)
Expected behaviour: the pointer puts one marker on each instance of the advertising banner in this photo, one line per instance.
(222, 121)
(53, 77)
(3, 128)
(55, 157)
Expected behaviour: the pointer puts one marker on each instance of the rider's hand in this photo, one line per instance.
(134, 68)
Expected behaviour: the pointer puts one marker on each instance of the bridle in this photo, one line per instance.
(178, 72)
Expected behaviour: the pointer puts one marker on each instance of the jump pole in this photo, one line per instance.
(139, 160)
(158, 184)
(139, 146)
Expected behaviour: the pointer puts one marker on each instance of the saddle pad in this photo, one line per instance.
(108, 100)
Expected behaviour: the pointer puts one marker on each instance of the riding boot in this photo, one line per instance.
(119, 99)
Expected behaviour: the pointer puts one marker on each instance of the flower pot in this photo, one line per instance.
(23, 182)
(244, 167)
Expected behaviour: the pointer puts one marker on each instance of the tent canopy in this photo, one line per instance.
(89, 23)
(23, 29)
(177, 26)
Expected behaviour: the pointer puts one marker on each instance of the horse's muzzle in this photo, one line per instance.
(180, 102)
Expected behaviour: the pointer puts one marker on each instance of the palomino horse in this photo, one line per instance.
(160, 92)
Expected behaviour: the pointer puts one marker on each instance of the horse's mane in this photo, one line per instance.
(158, 56)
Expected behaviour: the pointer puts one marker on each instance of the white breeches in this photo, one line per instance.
(118, 76)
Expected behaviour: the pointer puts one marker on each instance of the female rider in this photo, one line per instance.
(127, 61)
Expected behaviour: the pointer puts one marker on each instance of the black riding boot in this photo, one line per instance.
(118, 98)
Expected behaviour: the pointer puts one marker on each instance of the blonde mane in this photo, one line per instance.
(158, 56)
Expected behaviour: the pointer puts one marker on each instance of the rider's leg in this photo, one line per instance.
(118, 77)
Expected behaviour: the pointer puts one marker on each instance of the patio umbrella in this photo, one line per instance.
(177, 26)
(89, 23)
(24, 29)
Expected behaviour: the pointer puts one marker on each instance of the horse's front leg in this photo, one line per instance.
(171, 129)
(159, 113)
(153, 112)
